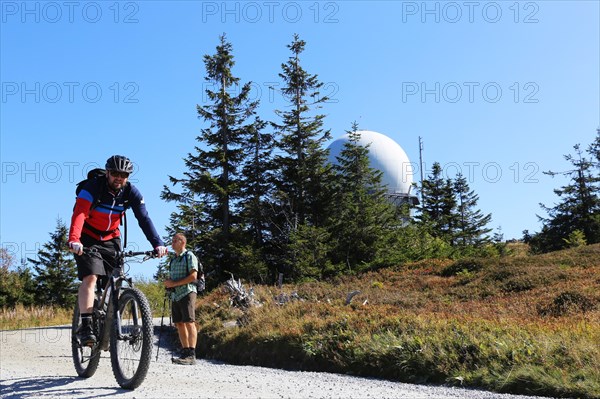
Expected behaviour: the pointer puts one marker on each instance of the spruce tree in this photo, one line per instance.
(301, 139)
(209, 202)
(594, 151)
(471, 225)
(362, 216)
(303, 175)
(579, 208)
(437, 213)
(185, 220)
(255, 200)
(56, 271)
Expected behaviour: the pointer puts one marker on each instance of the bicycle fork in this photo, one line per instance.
(134, 314)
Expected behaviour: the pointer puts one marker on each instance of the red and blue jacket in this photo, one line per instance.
(98, 212)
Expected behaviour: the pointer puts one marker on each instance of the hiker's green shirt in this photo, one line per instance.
(182, 266)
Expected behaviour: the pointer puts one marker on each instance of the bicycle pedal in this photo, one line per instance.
(90, 343)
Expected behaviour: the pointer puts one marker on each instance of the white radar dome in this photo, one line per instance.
(385, 155)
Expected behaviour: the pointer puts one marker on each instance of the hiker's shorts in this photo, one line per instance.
(184, 310)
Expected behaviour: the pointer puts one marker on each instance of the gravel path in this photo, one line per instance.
(36, 363)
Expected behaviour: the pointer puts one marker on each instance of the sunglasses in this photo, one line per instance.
(123, 175)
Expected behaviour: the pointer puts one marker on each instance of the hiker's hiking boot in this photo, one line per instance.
(187, 357)
(86, 336)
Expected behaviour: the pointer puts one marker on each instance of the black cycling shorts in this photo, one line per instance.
(98, 263)
(184, 310)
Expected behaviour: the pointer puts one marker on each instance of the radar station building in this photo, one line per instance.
(387, 156)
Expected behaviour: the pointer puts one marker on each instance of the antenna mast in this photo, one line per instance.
(421, 165)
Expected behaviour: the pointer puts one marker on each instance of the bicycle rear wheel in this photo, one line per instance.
(85, 358)
(131, 347)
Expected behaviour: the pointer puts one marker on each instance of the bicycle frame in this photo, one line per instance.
(107, 307)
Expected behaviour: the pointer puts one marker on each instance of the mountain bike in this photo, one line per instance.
(122, 323)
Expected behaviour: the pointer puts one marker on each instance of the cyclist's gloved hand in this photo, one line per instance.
(160, 251)
(76, 247)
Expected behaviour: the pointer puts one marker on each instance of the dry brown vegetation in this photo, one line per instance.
(33, 316)
(521, 324)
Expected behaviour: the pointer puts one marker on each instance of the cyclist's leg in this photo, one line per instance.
(113, 246)
(86, 294)
(89, 266)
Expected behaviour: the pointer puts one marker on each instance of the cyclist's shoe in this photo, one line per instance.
(189, 360)
(86, 336)
(188, 357)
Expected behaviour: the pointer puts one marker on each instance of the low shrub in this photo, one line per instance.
(567, 303)
(462, 266)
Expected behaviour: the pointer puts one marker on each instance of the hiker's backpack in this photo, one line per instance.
(199, 282)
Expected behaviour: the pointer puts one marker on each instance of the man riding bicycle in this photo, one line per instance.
(96, 218)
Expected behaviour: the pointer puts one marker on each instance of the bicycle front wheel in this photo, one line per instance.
(131, 339)
(85, 358)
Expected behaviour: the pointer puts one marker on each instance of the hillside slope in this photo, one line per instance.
(527, 324)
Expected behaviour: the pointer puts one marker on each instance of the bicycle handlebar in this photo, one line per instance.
(137, 253)
(125, 254)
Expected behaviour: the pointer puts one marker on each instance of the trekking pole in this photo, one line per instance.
(162, 317)
(170, 321)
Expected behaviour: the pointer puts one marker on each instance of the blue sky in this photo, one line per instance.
(497, 90)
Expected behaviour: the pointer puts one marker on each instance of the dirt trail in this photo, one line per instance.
(36, 363)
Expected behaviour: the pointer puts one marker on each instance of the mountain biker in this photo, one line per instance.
(183, 271)
(95, 221)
